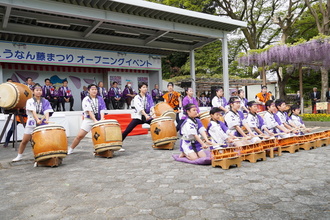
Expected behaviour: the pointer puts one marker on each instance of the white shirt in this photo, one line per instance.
(217, 134)
(270, 121)
(217, 102)
(190, 129)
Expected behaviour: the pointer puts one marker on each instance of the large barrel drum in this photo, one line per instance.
(162, 109)
(49, 141)
(14, 95)
(106, 135)
(163, 131)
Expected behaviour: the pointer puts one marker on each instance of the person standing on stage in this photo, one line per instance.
(93, 110)
(115, 96)
(173, 98)
(144, 105)
(156, 94)
(263, 96)
(49, 93)
(315, 97)
(128, 94)
(84, 93)
(220, 101)
(65, 95)
(103, 93)
(38, 110)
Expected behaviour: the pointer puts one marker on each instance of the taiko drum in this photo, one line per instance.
(49, 141)
(162, 109)
(163, 131)
(14, 95)
(107, 135)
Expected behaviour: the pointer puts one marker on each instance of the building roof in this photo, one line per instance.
(117, 25)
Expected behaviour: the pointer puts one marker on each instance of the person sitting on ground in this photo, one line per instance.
(93, 110)
(283, 116)
(297, 120)
(236, 122)
(144, 106)
(191, 145)
(219, 132)
(38, 110)
(255, 121)
(272, 122)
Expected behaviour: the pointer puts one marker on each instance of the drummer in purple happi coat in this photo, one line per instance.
(65, 95)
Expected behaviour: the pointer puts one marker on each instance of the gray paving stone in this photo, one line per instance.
(143, 183)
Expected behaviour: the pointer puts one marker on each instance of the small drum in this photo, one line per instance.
(162, 109)
(163, 131)
(49, 141)
(107, 135)
(14, 95)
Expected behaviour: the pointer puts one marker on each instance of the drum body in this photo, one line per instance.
(49, 141)
(14, 95)
(163, 131)
(162, 109)
(205, 119)
(107, 135)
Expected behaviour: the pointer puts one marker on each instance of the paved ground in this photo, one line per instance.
(143, 183)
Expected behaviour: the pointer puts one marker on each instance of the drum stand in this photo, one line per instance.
(12, 113)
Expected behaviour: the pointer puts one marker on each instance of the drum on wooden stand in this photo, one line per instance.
(14, 95)
(107, 137)
(162, 109)
(49, 144)
(163, 132)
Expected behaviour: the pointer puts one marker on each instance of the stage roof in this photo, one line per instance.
(118, 25)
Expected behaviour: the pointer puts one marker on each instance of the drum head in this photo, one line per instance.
(160, 119)
(47, 127)
(8, 95)
(105, 122)
(170, 114)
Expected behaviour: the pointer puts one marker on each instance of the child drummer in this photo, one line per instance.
(272, 122)
(235, 120)
(93, 110)
(296, 119)
(283, 115)
(219, 132)
(38, 110)
(191, 145)
(255, 121)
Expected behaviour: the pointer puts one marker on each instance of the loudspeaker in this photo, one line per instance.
(185, 84)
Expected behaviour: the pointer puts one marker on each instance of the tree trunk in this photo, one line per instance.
(324, 83)
(282, 80)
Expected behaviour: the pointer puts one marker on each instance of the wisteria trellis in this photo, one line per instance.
(314, 53)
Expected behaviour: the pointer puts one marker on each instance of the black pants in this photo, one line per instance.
(71, 100)
(53, 102)
(116, 104)
(135, 122)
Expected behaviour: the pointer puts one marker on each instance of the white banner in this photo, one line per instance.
(52, 55)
